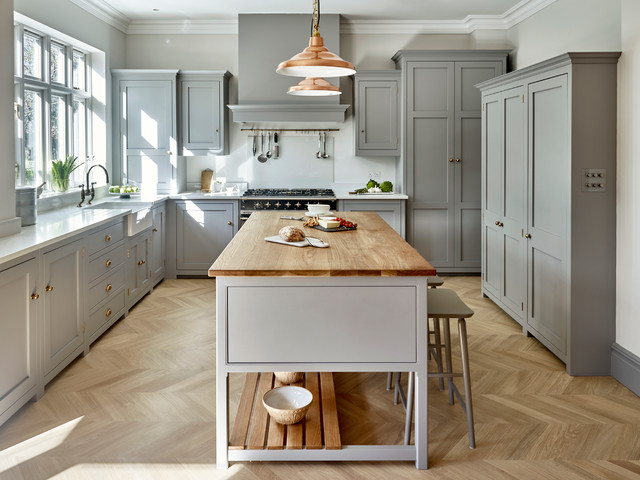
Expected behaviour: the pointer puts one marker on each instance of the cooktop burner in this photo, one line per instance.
(286, 192)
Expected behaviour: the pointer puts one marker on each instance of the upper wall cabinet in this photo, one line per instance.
(204, 115)
(376, 98)
(145, 129)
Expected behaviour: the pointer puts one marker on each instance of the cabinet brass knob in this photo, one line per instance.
(107, 263)
(155, 229)
(108, 313)
(107, 238)
(361, 131)
(451, 160)
(216, 130)
(141, 262)
(35, 296)
(528, 235)
(457, 160)
(108, 287)
(170, 152)
(49, 288)
(497, 223)
(229, 223)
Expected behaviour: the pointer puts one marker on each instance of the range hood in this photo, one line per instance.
(265, 40)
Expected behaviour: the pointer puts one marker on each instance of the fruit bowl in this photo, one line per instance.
(287, 405)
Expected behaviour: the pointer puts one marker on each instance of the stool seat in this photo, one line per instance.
(434, 281)
(444, 303)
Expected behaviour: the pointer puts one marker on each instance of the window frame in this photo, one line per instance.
(47, 88)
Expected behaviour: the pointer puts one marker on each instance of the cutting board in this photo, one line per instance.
(302, 243)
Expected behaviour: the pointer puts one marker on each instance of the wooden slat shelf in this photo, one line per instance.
(253, 429)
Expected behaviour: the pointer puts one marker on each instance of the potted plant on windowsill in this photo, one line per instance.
(61, 171)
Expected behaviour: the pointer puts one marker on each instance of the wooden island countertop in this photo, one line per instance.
(373, 249)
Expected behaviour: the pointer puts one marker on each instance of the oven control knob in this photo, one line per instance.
(257, 205)
(268, 204)
(287, 204)
(298, 205)
(277, 204)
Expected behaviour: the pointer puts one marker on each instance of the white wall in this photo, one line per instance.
(298, 165)
(566, 26)
(628, 201)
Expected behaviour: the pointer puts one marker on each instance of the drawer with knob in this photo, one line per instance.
(105, 262)
(106, 286)
(105, 237)
(105, 313)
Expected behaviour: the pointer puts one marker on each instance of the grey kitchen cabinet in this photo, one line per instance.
(158, 243)
(504, 197)
(138, 271)
(376, 100)
(145, 129)
(204, 114)
(392, 211)
(63, 280)
(203, 230)
(19, 298)
(442, 152)
(567, 169)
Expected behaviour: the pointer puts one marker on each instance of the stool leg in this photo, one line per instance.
(409, 414)
(447, 353)
(389, 380)
(396, 390)
(464, 353)
(438, 350)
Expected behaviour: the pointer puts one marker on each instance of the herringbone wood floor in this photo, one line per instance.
(141, 405)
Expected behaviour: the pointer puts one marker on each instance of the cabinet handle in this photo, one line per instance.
(108, 313)
(361, 131)
(451, 160)
(155, 229)
(170, 152)
(457, 160)
(216, 130)
(497, 223)
(107, 263)
(108, 287)
(528, 235)
(229, 223)
(107, 238)
(142, 262)
(49, 288)
(35, 296)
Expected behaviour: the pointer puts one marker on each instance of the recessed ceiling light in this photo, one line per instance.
(156, 9)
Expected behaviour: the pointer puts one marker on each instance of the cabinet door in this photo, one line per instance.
(148, 133)
(63, 281)
(138, 267)
(548, 131)
(203, 230)
(377, 117)
(430, 147)
(391, 211)
(468, 162)
(201, 115)
(158, 243)
(18, 348)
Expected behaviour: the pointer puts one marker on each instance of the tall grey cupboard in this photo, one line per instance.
(548, 199)
(441, 151)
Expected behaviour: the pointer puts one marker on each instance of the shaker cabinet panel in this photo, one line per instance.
(391, 211)
(433, 175)
(158, 243)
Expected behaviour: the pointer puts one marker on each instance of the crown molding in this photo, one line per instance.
(105, 12)
(516, 14)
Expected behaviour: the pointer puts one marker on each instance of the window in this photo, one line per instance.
(54, 107)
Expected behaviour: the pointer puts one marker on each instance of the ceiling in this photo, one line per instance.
(351, 9)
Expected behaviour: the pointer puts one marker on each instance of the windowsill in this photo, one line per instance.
(55, 200)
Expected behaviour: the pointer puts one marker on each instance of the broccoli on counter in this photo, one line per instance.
(372, 183)
(386, 186)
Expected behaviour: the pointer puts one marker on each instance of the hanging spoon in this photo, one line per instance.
(324, 145)
(262, 158)
(255, 144)
(269, 154)
(276, 147)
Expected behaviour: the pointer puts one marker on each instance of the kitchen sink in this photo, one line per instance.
(138, 220)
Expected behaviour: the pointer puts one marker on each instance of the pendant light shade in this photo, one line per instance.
(314, 87)
(316, 61)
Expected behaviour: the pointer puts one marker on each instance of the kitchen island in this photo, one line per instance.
(358, 305)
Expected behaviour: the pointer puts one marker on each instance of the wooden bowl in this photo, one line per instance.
(289, 377)
(287, 405)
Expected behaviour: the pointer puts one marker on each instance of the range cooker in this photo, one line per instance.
(294, 199)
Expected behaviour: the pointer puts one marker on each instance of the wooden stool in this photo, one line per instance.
(445, 304)
(432, 282)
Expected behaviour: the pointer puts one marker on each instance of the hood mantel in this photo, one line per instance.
(265, 40)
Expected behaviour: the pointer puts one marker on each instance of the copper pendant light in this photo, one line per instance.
(316, 60)
(314, 87)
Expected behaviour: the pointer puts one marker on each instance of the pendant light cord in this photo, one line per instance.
(315, 20)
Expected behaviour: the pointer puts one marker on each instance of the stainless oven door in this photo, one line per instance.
(244, 216)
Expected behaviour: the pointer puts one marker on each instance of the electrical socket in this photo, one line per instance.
(375, 175)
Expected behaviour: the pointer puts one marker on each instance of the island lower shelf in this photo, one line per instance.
(253, 429)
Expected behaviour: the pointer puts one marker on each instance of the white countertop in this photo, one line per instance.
(345, 195)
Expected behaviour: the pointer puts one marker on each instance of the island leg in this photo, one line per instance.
(421, 419)
(222, 419)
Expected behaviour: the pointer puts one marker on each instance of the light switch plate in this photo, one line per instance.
(594, 180)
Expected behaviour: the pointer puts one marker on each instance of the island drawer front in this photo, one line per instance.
(107, 262)
(106, 287)
(106, 311)
(348, 324)
(105, 237)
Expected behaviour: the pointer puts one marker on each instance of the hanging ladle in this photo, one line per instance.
(262, 157)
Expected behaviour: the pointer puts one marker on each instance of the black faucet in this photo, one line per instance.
(90, 185)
